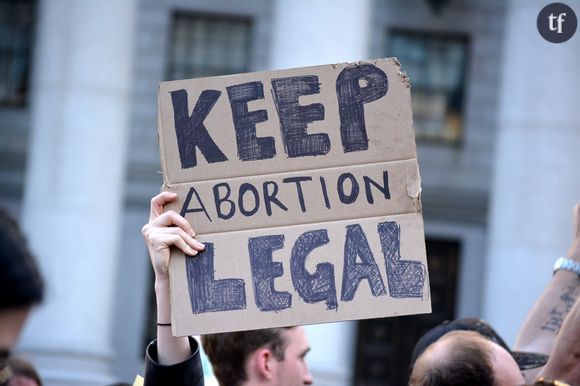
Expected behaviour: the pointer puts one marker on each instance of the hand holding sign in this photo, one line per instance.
(167, 229)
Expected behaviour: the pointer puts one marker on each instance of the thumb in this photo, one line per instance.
(576, 221)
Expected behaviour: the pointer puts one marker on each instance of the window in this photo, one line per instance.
(204, 45)
(16, 17)
(437, 67)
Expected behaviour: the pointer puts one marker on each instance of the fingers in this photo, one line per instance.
(161, 241)
(170, 218)
(170, 229)
(574, 251)
(192, 243)
(576, 221)
(158, 202)
(166, 230)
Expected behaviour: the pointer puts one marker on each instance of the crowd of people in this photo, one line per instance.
(455, 353)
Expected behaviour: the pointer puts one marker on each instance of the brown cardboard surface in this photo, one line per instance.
(234, 263)
(388, 124)
(307, 197)
(305, 187)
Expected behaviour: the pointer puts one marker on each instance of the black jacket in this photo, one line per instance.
(186, 373)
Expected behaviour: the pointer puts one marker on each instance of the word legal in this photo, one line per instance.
(405, 278)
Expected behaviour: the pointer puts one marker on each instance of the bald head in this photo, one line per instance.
(461, 358)
(456, 359)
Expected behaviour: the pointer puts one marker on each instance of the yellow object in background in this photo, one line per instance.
(138, 381)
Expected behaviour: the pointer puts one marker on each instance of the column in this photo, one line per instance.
(307, 33)
(537, 174)
(74, 182)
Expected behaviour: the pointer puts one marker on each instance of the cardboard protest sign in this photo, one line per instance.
(304, 186)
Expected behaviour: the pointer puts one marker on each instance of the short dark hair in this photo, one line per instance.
(21, 283)
(467, 361)
(229, 351)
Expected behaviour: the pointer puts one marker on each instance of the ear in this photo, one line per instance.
(263, 363)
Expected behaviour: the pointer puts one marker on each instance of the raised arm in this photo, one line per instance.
(164, 231)
(545, 320)
(564, 363)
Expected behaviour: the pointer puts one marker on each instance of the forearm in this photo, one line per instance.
(171, 350)
(166, 229)
(546, 317)
(564, 362)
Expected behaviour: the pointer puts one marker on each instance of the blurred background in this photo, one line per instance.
(497, 119)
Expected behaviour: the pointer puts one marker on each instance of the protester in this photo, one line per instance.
(462, 357)
(465, 358)
(21, 287)
(436, 360)
(468, 350)
(273, 357)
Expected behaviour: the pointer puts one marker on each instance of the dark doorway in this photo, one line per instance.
(384, 346)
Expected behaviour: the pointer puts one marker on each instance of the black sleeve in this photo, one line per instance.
(186, 373)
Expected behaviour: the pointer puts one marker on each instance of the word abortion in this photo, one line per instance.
(249, 198)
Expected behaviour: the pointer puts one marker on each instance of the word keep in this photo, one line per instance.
(356, 85)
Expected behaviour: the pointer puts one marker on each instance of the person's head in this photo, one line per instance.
(21, 285)
(462, 358)
(523, 360)
(274, 356)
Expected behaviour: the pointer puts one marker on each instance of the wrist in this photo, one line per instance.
(162, 298)
(162, 292)
(161, 283)
(574, 252)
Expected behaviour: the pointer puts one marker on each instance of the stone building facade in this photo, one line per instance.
(497, 136)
